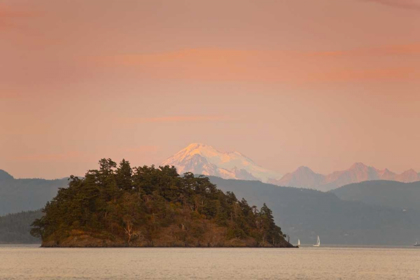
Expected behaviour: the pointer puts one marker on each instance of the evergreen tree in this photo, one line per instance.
(139, 205)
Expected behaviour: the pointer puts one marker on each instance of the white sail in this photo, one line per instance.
(298, 242)
(318, 242)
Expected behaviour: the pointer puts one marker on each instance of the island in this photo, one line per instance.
(121, 206)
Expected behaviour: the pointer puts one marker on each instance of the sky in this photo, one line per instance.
(319, 83)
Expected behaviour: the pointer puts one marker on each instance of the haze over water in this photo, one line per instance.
(30, 262)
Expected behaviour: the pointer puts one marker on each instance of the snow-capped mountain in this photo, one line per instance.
(206, 160)
(305, 178)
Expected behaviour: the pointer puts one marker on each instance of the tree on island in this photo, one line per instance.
(148, 206)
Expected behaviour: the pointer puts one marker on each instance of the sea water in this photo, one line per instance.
(32, 262)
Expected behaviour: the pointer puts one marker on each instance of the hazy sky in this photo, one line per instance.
(321, 83)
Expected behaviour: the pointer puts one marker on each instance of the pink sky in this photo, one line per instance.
(319, 83)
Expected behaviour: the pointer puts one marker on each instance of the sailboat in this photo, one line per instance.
(318, 242)
(298, 245)
(417, 244)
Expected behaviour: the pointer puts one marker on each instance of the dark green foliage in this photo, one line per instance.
(120, 200)
(390, 219)
(14, 228)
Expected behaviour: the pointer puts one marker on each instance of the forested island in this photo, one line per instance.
(120, 206)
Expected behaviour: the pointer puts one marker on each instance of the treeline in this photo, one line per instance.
(148, 206)
(14, 228)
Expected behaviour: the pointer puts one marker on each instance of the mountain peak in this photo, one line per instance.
(196, 147)
(409, 171)
(359, 165)
(304, 169)
(204, 159)
(193, 146)
(408, 176)
(303, 176)
(201, 148)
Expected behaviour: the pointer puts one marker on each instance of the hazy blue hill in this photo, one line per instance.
(383, 193)
(14, 228)
(4, 176)
(364, 213)
(305, 213)
(18, 195)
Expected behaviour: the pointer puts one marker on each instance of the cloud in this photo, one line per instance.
(405, 4)
(408, 49)
(11, 95)
(8, 15)
(227, 65)
(21, 126)
(8, 12)
(53, 157)
(86, 156)
(393, 73)
(176, 119)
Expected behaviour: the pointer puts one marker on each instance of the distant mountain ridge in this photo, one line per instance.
(375, 212)
(4, 176)
(397, 195)
(18, 195)
(304, 177)
(341, 216)
(204, 159)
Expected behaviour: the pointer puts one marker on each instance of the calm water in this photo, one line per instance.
(30, 262)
